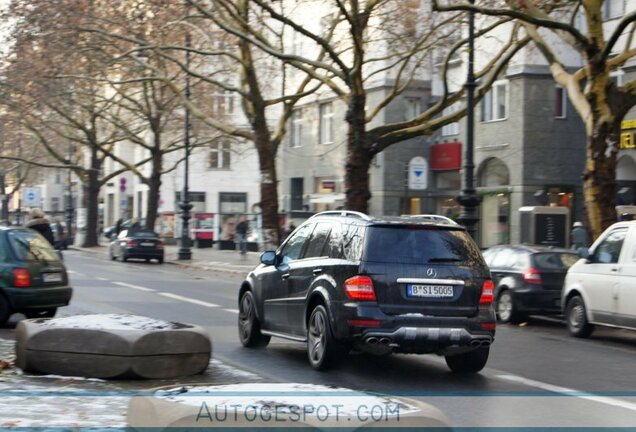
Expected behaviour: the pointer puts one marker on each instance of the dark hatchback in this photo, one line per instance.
(528, 279)
(33, 280)
(137, 243)
(344, 280)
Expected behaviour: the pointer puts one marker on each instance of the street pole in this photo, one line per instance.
(184, 252)
(69, 198)
(3, 197)
(469, 199)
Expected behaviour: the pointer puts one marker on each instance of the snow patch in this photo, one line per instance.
(110, 322)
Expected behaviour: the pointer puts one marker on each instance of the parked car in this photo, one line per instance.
(343, 279)
(137, 243)
(600, 289)
(528, 279)
(110, 231)
(33, 279)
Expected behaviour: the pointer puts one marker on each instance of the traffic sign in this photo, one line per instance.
(31, 196)
(418, 173)
(122, 184)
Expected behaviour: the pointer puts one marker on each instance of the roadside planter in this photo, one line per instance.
(112, 346)
(278, 405)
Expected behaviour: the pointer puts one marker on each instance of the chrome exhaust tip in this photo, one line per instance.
(372, 340)
(475, 343)
(485, 343)
(385, 341)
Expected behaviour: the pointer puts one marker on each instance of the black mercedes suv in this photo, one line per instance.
(346, 280)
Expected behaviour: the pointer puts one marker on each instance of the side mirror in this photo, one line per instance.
(268, 258)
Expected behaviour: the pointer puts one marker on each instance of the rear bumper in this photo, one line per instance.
(414, 333)
(136, 252)
(22, 299)
(536, 300)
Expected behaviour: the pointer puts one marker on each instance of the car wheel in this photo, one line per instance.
(112, 257)
(160, 260)
(248, 325)
(506, 310)
(44, 313)
(323, 350)
(123, 257)
(576, 317)
(5, 310)
(470, 362)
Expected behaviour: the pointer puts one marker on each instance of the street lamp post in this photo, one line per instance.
(469, 199)
(69, 198)
(185, 252)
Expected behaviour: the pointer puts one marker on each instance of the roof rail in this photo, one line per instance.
(433, 218)
(348, 213)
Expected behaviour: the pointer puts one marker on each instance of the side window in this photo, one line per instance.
(318, 239)
(502, 259)
(610, 249)
(489, 255)
(353, 241)
(122, 234)
(333, 248)
(294, 246)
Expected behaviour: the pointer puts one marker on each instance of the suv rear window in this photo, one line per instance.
(554, 260)
(28, 245)
(419, 245)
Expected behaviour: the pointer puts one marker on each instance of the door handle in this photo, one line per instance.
(317, 271)
(285, 275)
(615, 269)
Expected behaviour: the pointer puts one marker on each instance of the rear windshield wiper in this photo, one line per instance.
(447, 259)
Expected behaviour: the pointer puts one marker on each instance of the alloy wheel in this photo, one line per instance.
(246, 317)
(504, 307)
(317, 336)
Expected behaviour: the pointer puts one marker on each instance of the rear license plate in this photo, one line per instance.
(147, 244)
(52, 277)
(433, 291)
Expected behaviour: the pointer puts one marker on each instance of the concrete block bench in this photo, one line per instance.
(112, 346)
(278, 405)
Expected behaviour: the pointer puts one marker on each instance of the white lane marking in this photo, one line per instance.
(76, 273)
(101, 278)
(137, 287)
(231, 310)
(188, 299)
(570, 392)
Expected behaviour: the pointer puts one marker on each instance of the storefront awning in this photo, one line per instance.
(326, 198)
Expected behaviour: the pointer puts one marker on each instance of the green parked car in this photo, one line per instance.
(33, 279)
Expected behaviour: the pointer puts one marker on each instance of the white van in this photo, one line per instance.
(600, 288)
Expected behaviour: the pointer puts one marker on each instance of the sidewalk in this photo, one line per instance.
(203, 258)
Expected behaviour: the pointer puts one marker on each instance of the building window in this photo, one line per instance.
(494, 103)
(617, 77)
(451, 128)
(220, 155)
(613, 9)
(232, 202)
(413, 108)
(223, 103)
(295, 138)
(297, 189)
(58, 177)
(55, 204)
(560, 102)
(326, 123)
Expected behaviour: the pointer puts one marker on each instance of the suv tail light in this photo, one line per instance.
(131, 243)
(21, 278)
(532, 276)
(487, 293)
(360, 288)
(160, 244)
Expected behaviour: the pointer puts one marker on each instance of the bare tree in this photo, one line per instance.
(375, 39)
(602, 103)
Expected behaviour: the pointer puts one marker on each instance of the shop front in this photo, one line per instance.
(446, 160)
(494, 188)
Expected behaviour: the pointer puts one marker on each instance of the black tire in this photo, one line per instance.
(506, 310)
(112, 257)
(323, 351)
(5, 310)
(160, 260)
(123, 257)
(470, 362)
(45, 313)
(576, 318)
(249, 328)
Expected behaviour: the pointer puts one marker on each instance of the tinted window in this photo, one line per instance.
(502, 258)
(333, 248)
(294, 246)
(144, 234)
(610, 249)
(31, 246)
(554, 261)
(420, 245)
(352, 238)
(318, 240)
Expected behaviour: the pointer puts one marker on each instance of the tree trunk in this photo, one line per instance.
(359, 156)
(92, 206)
(599, 179)
(154, 188)
(269, 192)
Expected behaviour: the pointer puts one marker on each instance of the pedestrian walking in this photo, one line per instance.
(59, 234)
(118, 226)
(39, 222)
(578, 236)
(241, 230)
